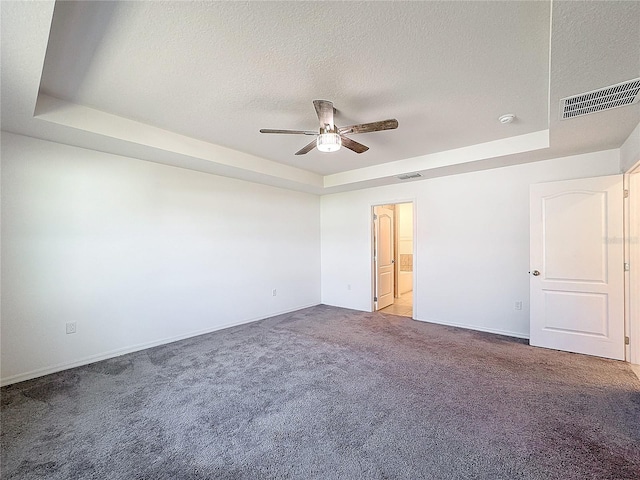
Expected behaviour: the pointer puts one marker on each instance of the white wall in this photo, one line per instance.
(472, 242)
(630, 151)
(139, 253)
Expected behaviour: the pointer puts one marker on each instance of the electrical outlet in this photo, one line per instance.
(71, 327)
(274, 292)
(518, 305)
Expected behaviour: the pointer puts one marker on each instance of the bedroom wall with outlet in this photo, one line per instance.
(134, 253)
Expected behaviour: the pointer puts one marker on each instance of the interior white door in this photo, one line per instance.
(577, 266)
(383, 256)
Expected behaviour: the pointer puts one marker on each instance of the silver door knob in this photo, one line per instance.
(535, 273)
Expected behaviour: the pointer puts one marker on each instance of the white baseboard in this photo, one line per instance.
(40, 372)
(477, 328)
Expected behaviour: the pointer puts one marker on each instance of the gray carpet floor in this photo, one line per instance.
(329, 393)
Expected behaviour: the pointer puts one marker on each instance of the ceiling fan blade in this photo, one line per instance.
(296, 132)
(324, 109)
(370, 127)
(353, 145)
(307, 148)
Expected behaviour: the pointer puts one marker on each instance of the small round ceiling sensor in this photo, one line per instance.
(507, 118)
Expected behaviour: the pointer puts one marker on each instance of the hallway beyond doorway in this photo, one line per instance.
(402, 306)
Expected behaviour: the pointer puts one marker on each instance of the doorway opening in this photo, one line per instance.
(393, 258)
(632, 272)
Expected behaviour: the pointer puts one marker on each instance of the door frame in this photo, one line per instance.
(632, 257)
(372, 249)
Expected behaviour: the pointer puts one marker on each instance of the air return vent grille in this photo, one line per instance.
(407, 176)
(619, 95)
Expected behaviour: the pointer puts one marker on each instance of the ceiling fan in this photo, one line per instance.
(330, 137)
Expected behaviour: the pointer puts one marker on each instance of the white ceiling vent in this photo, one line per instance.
(407, 176)
(619, 95)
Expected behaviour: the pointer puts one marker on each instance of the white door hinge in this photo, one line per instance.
(627, 267)
(626, 193)
(626, 340)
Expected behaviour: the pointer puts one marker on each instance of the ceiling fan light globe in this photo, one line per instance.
(328, 142)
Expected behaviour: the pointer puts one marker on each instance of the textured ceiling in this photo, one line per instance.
(221, 71)
(191, 83)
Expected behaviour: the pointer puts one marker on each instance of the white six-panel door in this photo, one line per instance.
(577, 266)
